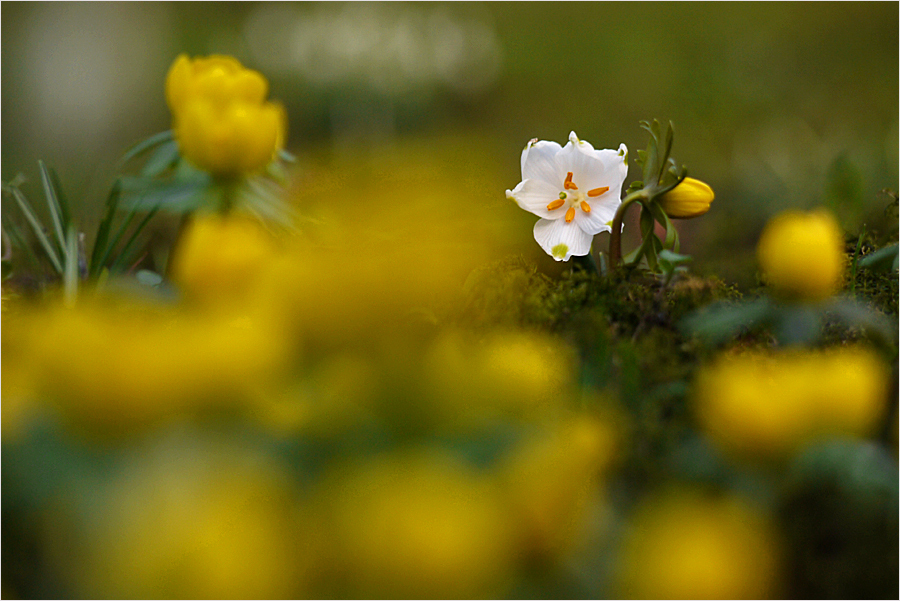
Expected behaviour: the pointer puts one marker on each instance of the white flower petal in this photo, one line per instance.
(534, 195)
(561, 240)
(538, 162)
(615, 161)
(588, 171)
(603, 211)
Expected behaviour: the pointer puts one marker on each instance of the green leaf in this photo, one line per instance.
(284, 155)
(179, 196)
(876, 326)
(720, 322)
(120, 260)
(70, 275)
(881, 260)
(667, 147)
(164, 157)
(54, 207)
(100, 250)
(35, 225)
(145, 145)
(18, 241)
(798, 325)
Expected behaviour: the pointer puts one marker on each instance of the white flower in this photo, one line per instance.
(575, 190)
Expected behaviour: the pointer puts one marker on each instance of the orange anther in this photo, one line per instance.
(556, 204)
(568, 185)
(597, 191)
(585, 206)
(570, 214)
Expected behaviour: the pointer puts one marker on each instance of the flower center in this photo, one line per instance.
(571, 197)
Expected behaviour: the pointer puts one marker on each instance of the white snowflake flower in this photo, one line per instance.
(575, 190)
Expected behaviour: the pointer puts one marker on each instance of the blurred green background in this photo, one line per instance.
(775, 104)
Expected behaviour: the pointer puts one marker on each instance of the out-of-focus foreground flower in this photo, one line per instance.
(575, 190)
(220, 116)
(801, 255)
(691, 198)
(769, 404)
(683, 544)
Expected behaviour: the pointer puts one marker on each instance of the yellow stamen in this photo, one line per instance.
(585, 206)
(570, 214)
(568, 185)
(597, 191)
(556, 204)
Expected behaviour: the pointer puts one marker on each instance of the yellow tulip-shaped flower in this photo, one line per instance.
(801, 255)
(691, 198)
(220, 117)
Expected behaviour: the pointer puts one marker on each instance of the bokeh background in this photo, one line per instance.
(775, 105)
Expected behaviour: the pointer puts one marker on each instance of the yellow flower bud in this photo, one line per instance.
(801, 255)
(220, 118)
(691, 198)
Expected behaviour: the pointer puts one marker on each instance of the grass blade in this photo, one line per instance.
(70, 275)
(112, 205)
(140, 226)
(18, 241)
(60, 196)
(35, 225)
(145, 145)
(115, 242)
(55, 210)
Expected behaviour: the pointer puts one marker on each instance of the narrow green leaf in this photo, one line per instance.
(115, 242)
(162, 158)
(117, 264)
(722, 321)
(112, 205)
(70, 275)
(881, 259)
(18, 241)
(35, 226)
(145, 145)
(667, 147)
(60, 196)
(55, 210)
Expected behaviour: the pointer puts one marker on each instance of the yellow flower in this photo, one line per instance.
(685, 545)
(691, 198)
(768, 405)
(193, 520)
(110, 366)
(220, 117)
(552, 479)
(218, 259)
(414, 525)
(801, 255)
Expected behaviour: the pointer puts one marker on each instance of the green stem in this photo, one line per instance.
(615, 236)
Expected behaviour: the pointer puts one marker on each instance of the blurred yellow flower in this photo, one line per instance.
(801, 255)
(413, 525)
(115, 364)
(220, 117)
(686, 545)
(219, 259)
(769, 404)
(691, 198)
(187, 521)
(503, 376)
(549, 481)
